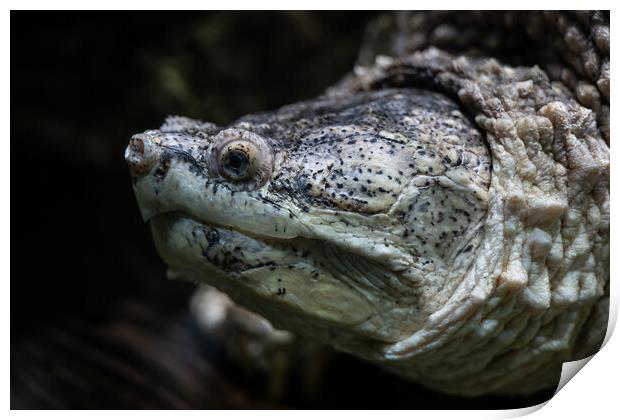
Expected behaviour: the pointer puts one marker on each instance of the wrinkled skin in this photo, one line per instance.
(456, 232)
(357, 226)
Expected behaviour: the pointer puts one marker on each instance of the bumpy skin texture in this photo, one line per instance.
(446, 217)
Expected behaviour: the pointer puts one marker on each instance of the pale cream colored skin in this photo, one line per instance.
(503, 322)
(537, 294)
(350, 316)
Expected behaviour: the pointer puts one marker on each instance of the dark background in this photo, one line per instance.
(94, 321)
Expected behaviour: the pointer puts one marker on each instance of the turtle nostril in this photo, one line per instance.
(137, 145)
(140, 156)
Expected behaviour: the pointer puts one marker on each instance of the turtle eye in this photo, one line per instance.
(236, 164)
(242, 158)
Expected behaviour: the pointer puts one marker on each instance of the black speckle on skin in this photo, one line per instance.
(212, 237)
(339, 157)
(162, 169)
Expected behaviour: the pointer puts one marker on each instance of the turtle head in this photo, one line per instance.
(347, 220)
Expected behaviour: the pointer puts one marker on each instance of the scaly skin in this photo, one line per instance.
(445, 217)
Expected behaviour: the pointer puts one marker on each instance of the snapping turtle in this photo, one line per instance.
(438, 212)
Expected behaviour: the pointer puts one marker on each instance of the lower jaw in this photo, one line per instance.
(186, 242)
(286, 287)
(181, 244)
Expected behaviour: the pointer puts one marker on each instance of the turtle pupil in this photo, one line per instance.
(236, 163)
